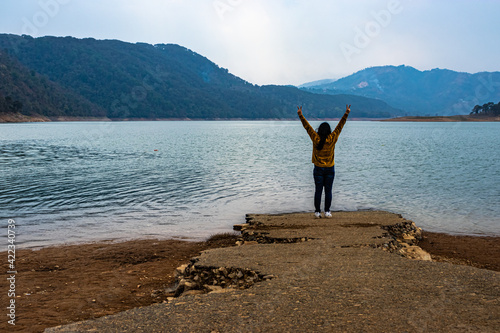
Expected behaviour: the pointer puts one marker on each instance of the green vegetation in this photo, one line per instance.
(488, 109)
(130, 81)
(23, 91)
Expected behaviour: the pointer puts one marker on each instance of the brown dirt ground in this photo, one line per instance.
(64, 284)
(481, 252)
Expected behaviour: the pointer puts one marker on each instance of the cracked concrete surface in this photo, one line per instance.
(340, 281)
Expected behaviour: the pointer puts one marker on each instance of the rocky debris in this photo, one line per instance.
(406, 230)
(416, 252)
(240, 227)
(357, 246)
(251, 221)
(314, 289)
(250, 234)
(404, 237)
(193, 279)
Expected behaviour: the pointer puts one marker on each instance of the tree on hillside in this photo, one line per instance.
(489, 109)
(9, 105)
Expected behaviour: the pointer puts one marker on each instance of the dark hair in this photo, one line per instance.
(324, 131)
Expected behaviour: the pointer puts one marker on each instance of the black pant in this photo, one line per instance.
(323, 177)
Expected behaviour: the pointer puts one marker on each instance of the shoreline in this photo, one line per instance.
(201, 239)
(22, 119)
(477, 251)
(68, 283)
(357, 271)
(457, 118)
(62, 284)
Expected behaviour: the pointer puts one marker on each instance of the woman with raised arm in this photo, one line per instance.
(324, 141)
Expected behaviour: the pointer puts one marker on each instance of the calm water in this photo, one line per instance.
(73, 182)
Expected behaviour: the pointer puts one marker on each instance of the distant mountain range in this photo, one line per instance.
(434, 92)
(69, 77)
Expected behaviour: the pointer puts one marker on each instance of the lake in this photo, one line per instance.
(66, 182)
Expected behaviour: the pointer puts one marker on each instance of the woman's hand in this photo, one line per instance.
(348, 108)
(299, 110)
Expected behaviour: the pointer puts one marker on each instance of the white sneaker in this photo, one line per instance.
(328, 214)
(318, 215)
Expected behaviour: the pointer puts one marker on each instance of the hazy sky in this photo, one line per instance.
(283, 41)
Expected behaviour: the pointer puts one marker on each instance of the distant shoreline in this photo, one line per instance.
(20, 118)
(458, 118)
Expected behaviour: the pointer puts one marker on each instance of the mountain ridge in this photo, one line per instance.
(167, 81)
(437, 91)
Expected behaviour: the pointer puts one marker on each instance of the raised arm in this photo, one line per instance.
(342, 121)
(310, 130)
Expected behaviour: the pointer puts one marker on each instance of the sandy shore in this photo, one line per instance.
(64, 284)
(60, 285)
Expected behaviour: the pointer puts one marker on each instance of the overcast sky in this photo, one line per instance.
(283, 41)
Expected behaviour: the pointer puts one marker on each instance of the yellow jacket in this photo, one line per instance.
(324, 157)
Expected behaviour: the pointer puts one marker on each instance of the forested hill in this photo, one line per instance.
(438, 91)
(164, 81)
(24, 91)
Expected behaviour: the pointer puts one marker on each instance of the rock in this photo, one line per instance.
(409, 238)
(210, 279)
(213, 288)
(240, 227)
(222, 290)
(417, 253)
(188, 285)
(170, 290)
(193, 292)
(179, 291)
(181, 270)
